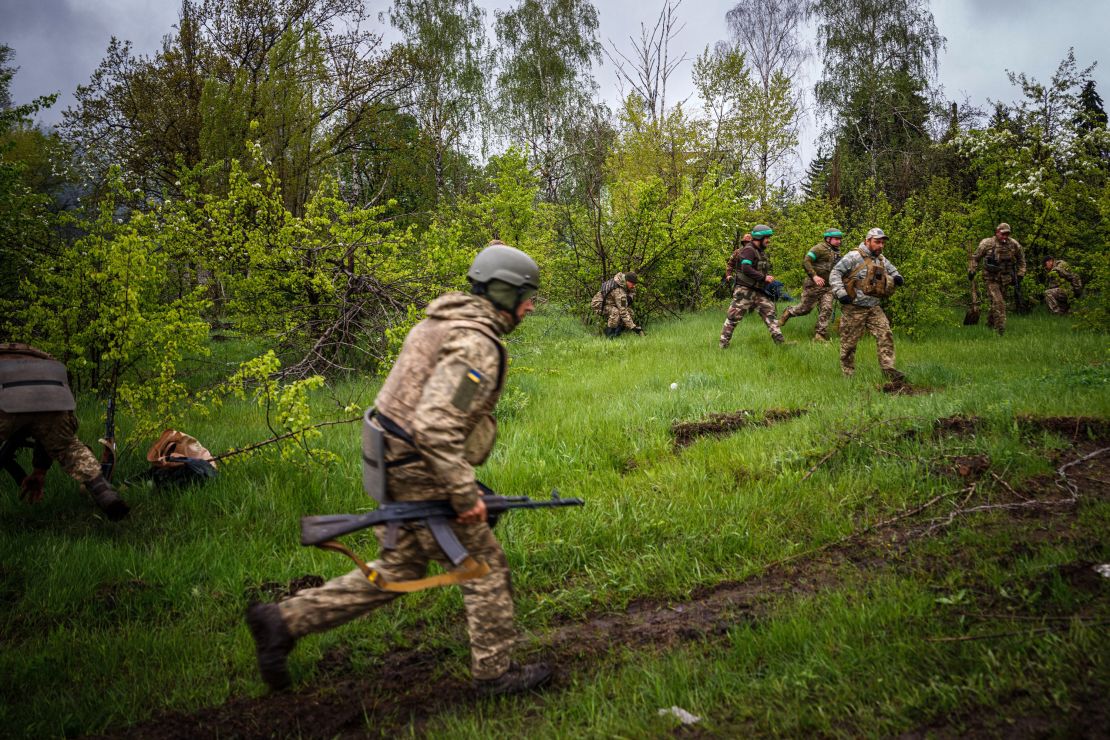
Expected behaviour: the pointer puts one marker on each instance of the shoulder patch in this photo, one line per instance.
(465, 390)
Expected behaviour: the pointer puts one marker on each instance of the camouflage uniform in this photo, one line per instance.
(750, 266)
(54, 431)
(443, 387)
(617, 304)
(1061, 284)
(818, 262)
(864, 314)
(999, 264)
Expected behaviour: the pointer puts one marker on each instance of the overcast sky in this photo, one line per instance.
(58, 43)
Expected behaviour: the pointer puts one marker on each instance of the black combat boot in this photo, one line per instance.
(272, 643)
(518, 678)
(107, 498)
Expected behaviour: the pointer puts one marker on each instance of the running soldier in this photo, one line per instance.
(860, 280)
(36, 409)
(1003, 262)
(614, 303)
(435, 413)
(818, 262)
(751, 267)
(1061, 285)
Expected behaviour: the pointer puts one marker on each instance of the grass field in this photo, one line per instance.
(742, 577)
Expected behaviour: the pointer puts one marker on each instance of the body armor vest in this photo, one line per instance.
(31, 385)
(762, 264)
(1001, 257)
(870, 278)
(826, 259)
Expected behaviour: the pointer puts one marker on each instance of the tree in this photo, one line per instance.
(450, 61)
(879, 58)
(646, 70)
(302, 76)
(767, 32)
(546, 84)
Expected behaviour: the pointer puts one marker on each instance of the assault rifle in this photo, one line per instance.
(316, 530)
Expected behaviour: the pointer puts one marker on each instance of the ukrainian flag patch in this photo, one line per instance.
(467, 387)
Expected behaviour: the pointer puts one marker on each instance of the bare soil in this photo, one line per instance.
(408, 687)
(685, 433)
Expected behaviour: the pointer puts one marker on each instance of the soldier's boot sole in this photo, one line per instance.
(272, 643)
(517, 679)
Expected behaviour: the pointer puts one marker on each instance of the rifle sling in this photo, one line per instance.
(470, 569)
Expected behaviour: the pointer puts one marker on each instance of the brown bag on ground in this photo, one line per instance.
(173, 447)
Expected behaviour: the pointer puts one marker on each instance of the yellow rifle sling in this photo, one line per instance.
(469, 569)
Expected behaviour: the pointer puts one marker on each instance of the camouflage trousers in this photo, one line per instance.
(745, 300)
(614, 318)
(1057, 300)
(996, 319)
(812, 295)
(56, 432)
(855, 321)
(488, 600)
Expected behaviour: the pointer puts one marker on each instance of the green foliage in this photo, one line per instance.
(108, 307)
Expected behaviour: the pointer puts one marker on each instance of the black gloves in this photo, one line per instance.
(970, 274)
(898, 280)
(845, 299)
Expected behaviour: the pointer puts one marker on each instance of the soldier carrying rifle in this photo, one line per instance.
(432, 424)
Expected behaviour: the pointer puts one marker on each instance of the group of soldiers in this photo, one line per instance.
(434, 414)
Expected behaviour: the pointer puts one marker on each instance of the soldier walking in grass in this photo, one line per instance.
(751, 267)
(818, 262)
(435, 415)
(36, 409)
(614, 303)
(1061, 285)
(860, 280)
(1003, 262)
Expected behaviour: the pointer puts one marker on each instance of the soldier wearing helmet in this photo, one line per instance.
(435, 413)
(1003, 262)
(818, 262)
(752, 272)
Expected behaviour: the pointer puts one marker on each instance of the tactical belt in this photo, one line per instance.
(466, 567)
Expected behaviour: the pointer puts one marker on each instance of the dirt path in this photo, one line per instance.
(341, 702)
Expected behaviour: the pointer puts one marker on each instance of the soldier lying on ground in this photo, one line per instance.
(36, 408)
(435, 414)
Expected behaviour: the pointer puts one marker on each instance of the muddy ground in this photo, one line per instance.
(340, 702)
(685, 433)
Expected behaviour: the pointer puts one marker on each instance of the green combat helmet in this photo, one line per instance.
(762, 231)
(832, 234)
(505, 275)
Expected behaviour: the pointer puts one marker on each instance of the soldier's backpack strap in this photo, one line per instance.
(851, 280)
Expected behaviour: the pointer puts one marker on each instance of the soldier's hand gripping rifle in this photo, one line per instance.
(322, 531)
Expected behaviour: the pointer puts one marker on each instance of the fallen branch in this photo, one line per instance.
(280, 437)
(847, 437)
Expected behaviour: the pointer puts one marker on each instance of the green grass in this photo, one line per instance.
(107, 624)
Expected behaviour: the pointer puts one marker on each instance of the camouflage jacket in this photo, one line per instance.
(850, 262)
(617, 297)
(819, 260)
(445, 384)
(998, 260)
(1060, 272)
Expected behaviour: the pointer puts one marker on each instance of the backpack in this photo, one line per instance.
(176, 459)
